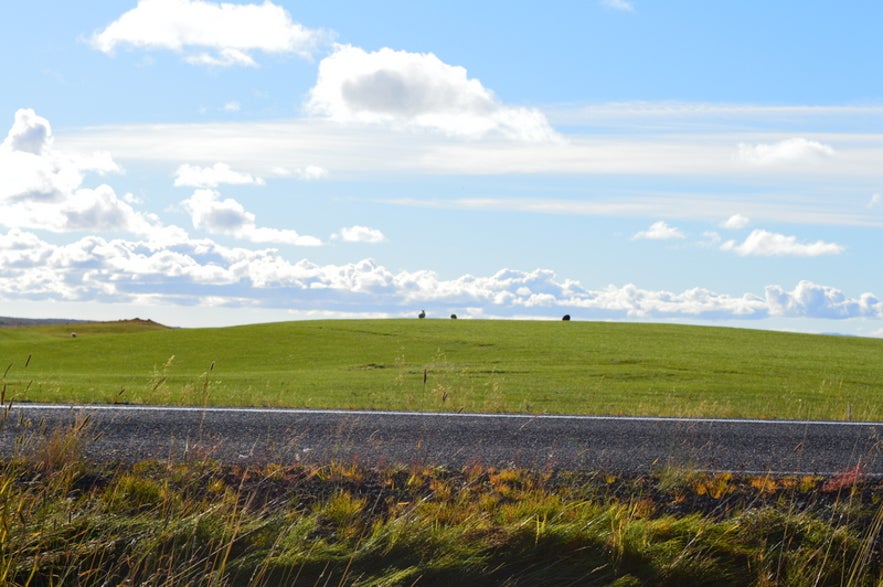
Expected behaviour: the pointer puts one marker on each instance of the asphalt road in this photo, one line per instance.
(130, 434)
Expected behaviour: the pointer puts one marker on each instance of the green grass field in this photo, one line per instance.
(451, 365)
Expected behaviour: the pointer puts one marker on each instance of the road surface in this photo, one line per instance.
(134, 433)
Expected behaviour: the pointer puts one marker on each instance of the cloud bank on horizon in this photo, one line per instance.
(402, 181)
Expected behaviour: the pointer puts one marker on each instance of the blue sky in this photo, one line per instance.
(206, 164)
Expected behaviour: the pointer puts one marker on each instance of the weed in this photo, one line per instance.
(845, 479)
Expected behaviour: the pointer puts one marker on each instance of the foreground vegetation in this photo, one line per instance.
(470, 365)
(65, 522)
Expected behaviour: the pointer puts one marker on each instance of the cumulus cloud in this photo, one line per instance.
(100, 209)
(735, 222)
(764, 243)
(876, 201)
(216, 216)
(819, 301)
(29, 133)
(416, 90)
(659, 231)
(786, 151)
(359, 234)
(33, 168)
(42, 188)
(209, 33)
(213, 176)
(183, 271)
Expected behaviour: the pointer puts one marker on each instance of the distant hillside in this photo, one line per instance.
(7, 322)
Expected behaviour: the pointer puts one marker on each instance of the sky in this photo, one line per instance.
(208, 164)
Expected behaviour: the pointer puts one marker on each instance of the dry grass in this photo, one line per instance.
(64, 520)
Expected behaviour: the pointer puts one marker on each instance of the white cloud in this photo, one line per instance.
(232, 106)
(764, 243)
(224, 58)
(310, 173)
(359, 148)
(29, 133)
(619, 5)
(215, 216)
(786, 151)
(42, 188)
(876, 201)
(359, 234)
(818, 301)
(27, 169)
(416, 90)
(218, 174)
(735, 222)
(231, 31)
(348, 150)
(100, 209)
(659, 231)
(184, 271)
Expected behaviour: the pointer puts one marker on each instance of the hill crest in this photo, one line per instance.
(12, 322)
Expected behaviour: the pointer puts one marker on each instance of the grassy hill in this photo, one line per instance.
(470, 365)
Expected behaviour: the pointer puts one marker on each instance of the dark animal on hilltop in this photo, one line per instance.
(566, 317)
(453, 316)
(422, 314)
